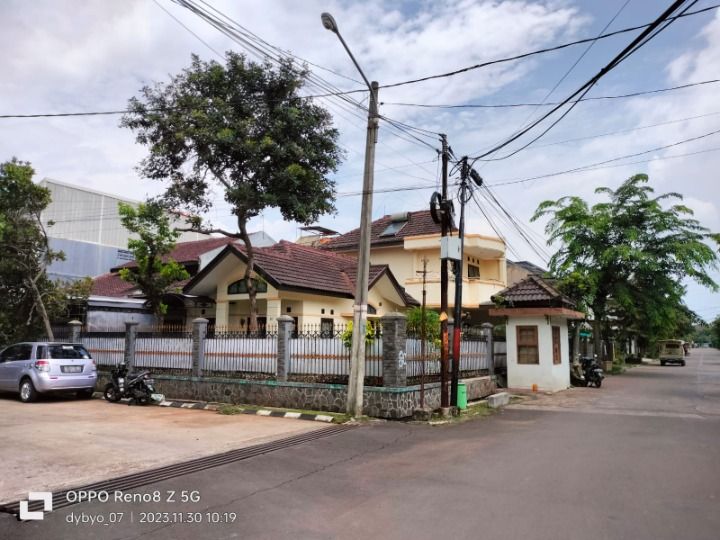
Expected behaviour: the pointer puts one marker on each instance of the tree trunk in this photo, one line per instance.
(576, 341)
(597, 337)
(249, 271)
(41, 307)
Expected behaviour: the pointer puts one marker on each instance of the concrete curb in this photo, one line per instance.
(200, 405)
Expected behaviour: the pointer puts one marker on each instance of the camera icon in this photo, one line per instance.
(45, 497)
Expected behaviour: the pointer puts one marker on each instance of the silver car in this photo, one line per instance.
(41, 367)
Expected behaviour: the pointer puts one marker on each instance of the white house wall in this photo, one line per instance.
(546, 375)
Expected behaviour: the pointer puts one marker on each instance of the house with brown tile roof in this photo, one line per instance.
(314, 286)
(402, 241)
(114, 301)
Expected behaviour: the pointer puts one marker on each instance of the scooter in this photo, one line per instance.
(577, 377)
(139, 387)
(592, 371)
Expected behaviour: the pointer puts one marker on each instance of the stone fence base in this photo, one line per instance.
(379, 402)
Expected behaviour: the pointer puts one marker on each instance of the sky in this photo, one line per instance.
(93, 55)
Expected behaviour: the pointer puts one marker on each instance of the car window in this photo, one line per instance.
(24, 352)
(8, 354)
(41, 352)
(67, 351)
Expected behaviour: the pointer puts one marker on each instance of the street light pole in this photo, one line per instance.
(357, 354)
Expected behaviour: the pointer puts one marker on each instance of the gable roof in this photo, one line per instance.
(418, 223)
(188, 252)
(287, 265)
(533, 291)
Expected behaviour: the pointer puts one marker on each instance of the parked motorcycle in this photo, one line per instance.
(577, 377)
(139, 387)
(592, 371)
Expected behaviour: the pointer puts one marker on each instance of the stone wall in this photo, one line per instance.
(379, 402)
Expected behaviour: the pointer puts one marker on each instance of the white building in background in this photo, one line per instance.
(86, 227)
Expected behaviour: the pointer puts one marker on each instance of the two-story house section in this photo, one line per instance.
(403, 240)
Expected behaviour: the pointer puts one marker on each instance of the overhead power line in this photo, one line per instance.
(536, 52)
(628, 130)
(660, 24)
(549, 103)
(611, 160)
(396, 122)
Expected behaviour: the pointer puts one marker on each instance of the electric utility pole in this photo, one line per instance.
(444, 398)
(423, 333)
(465, 172)
(457, 327)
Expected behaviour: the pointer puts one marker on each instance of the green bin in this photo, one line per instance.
(462, 396)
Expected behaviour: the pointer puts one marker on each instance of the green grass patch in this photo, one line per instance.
(473, 412)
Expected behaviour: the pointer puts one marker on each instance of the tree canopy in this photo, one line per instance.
(30, 301)
(155, 274)
(624, 259)
(241, 128)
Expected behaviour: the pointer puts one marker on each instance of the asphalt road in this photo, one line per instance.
(637, 459)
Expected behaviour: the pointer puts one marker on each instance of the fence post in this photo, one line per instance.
(199, 333)
(488, 331)
(75, 327)
(394, 342)
(285, 330)
(130, 337)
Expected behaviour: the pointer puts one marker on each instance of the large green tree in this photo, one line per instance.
(30, 301)
(243, 129)
(155, 274)
(625, 258)
(715, 332)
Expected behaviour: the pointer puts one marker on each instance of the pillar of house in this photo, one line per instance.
(130, 337)
(394, 340)
(273, 310)
(285, 329)
(222, 314)
(487, 329)
(199, 333)
(502, 264)
(75, 329)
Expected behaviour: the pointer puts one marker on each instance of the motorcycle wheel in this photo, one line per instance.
(111, 394)
(598, 383)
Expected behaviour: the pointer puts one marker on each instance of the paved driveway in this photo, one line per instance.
(691, 391)
(60, 442)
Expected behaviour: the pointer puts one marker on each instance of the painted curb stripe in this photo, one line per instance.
(256, 412)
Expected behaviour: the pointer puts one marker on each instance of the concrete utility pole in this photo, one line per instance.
(423, 333)
(444, 345)
(466, 172)
(357, 354)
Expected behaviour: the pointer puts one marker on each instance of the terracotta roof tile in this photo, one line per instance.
(418, 223)
(531, 291)
(291, 265)
(111, 285)
(189, 252)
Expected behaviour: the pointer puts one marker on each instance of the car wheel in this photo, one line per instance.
(111, 394)
(682, 363)
(85, 394)
(28, 394)
(662, 362)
